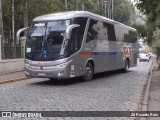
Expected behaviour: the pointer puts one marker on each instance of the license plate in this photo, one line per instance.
(41, 74)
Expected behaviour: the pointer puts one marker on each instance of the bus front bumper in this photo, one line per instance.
(59, 73)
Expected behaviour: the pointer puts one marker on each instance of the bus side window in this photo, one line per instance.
(82, 21)
(103, 32)
(110, 32)
(92, 30)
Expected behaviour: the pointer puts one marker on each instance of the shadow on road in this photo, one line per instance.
(66, 82)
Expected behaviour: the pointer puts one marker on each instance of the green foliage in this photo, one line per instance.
(122, 11)
(156, 42)
(26, 12)
(151, 8)
(92, 6)
(141, 30)
(158, 62)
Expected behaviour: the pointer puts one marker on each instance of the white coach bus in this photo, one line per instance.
(77, 43)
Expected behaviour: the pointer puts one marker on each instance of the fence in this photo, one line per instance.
(9, 52)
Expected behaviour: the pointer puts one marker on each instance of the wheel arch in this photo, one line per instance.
(91, 60)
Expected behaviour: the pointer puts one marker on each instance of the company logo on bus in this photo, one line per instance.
(41, 68)
(40, 63)
(126, 50)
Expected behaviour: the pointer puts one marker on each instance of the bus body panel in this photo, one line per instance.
(106, 55)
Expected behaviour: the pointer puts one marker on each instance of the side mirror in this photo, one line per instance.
(69, 30)
(19, 32)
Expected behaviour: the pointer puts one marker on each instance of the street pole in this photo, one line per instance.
(105, 9)
(106, 2)
(109, 8)
(112, 8)
(102, 7)
(108, 12)
(66, 5)
(83, 5)
(77, 4)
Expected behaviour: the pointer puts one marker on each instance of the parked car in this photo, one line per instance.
(144, 57)
(150, 55)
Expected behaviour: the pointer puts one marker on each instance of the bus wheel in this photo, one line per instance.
(53, 79)
(126, 68)
(88, 72)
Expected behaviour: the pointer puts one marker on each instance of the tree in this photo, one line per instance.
(1, 30)
(141, 30)
(122, 11)
(151, 8)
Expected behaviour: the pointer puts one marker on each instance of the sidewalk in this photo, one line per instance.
(154, 93)
(12, 77)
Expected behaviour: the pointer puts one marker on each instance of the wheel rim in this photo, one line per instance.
(88, 72)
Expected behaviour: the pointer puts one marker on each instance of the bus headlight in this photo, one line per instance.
(63, 65)
(26, 65)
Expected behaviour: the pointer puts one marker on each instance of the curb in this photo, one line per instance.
(13, 80)
(12, 72)
(146, 95)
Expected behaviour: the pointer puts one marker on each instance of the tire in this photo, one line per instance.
(126, 68)
(53, 79)
(89, 71)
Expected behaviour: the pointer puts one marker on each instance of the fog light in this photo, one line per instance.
(27, 73)
(60, 74)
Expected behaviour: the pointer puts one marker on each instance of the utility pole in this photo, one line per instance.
(102, 6)
(82, 5)
(112, 8)
(77, 4)
(66, 5)
(105, 8)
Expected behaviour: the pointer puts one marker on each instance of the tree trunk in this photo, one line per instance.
(13, 24)
(25, 22)
(1, 32)
(25, 13)
(158, 56)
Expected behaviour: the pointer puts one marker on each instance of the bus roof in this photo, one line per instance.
(73, 14)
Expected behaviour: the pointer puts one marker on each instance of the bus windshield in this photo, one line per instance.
(45, 40)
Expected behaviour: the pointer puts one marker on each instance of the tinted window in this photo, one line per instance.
(93, 30)
(103, 34)
(82, 22)
(77, 34)
(110, 31)
(131, 37)
(75, 42)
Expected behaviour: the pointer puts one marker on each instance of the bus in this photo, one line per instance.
(77, 44)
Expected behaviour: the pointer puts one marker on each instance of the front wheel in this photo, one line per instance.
(88, 72)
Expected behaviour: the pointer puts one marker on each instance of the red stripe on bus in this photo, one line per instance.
(85, 53)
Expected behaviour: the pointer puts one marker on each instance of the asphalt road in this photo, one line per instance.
(110, 91)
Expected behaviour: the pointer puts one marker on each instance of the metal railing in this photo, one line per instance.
(9, 52)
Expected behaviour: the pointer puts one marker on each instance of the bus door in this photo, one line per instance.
(75, 45)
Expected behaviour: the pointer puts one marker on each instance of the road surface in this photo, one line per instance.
(110, 91)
